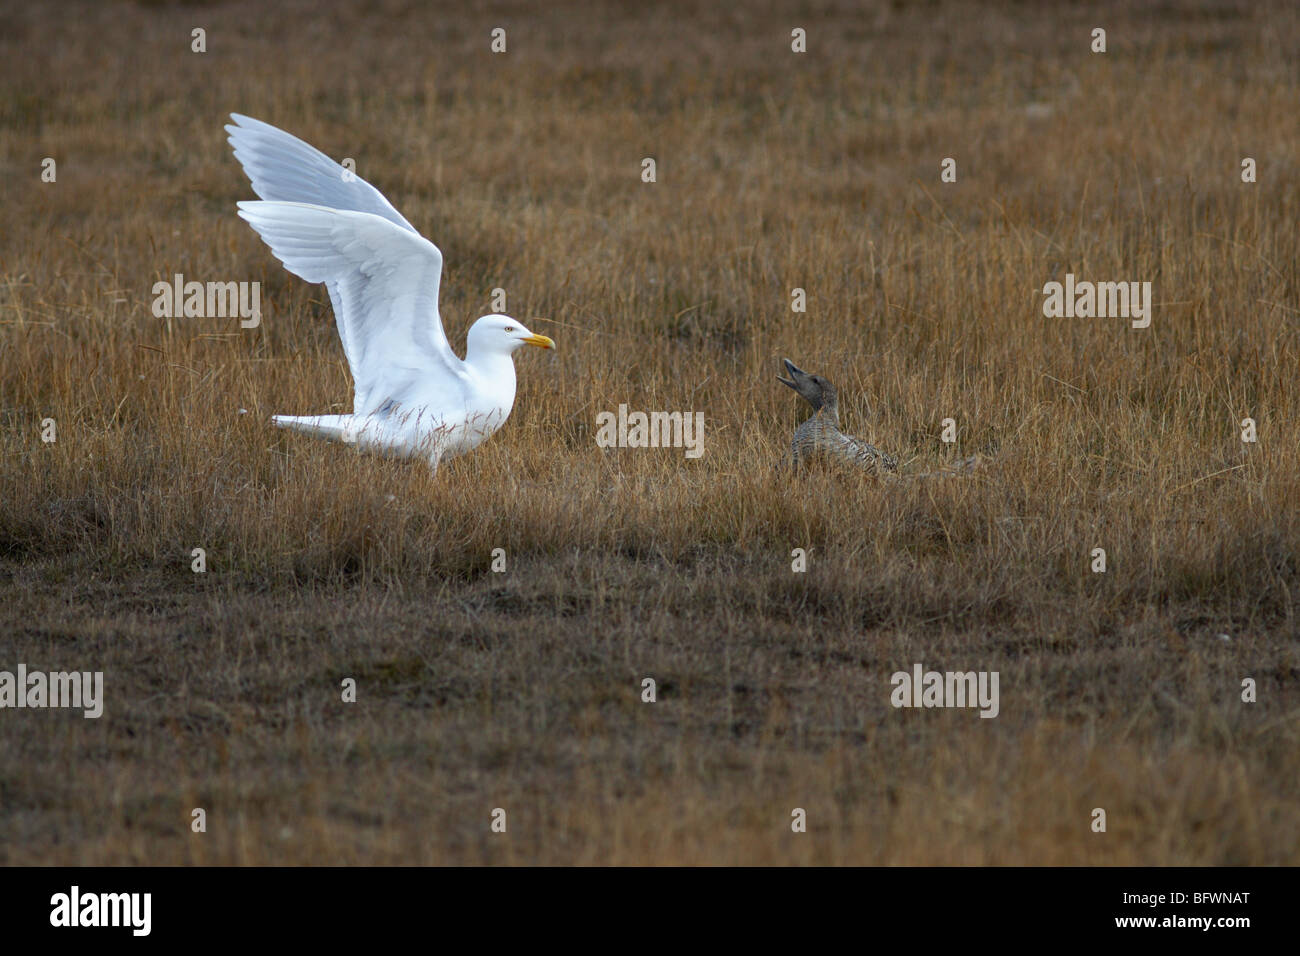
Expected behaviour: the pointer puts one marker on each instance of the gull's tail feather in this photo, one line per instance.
(331, 427)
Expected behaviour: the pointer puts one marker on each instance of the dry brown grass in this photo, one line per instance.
(520, 690)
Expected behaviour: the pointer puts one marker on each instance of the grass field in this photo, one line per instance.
(521, 689)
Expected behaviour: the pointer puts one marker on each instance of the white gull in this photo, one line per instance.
(413, 395)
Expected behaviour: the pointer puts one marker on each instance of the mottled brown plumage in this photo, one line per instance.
(820, 436)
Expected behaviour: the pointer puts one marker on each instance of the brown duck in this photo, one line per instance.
(820, 435)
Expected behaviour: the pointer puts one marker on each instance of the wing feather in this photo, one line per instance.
(282, 168)
(383, 282)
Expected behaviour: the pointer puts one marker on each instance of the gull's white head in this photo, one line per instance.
(502, 335)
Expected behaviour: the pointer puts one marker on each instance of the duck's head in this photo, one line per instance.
(816, 391)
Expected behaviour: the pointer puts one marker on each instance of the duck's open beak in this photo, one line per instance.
(541, 341)
(794, 371)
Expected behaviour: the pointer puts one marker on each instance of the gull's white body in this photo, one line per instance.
(413, 395)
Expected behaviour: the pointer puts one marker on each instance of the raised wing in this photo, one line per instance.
(282, 168)
(383, 280)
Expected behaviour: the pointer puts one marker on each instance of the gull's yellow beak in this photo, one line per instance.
(541, 341)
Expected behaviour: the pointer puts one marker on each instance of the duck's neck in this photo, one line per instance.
(830, 412)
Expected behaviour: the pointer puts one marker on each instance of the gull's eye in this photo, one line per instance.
(510, 328)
